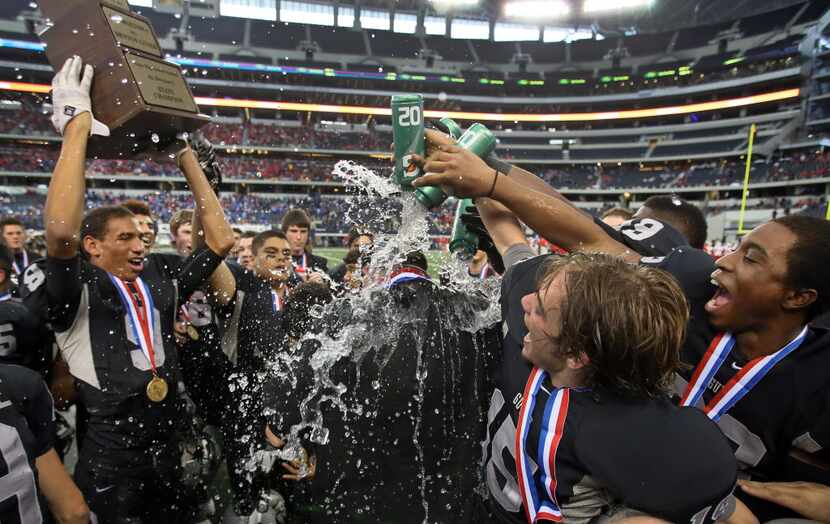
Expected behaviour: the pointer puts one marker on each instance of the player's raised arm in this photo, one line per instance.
(554, 218)
(73, 119)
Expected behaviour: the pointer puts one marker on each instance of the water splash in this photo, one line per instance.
(369, 322)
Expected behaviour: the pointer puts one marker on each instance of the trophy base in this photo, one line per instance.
(149, 131)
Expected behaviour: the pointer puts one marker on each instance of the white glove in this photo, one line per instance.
(70, 96)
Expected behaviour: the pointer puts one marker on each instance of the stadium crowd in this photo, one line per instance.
(628, 377)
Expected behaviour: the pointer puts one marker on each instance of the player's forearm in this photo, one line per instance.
(501, 223)
(217, 232)
(65, 199)
(553, 218)
(64, 498)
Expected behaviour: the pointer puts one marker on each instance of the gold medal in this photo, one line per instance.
(192, 332)
(157, 389)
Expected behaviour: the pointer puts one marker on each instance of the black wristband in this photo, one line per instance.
(495, 179)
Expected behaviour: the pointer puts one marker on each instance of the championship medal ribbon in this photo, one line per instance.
(139, 305)
(276, 301)
(740, 384)
(540, 506)
(17, 269)
(5, 296)
(407, 274)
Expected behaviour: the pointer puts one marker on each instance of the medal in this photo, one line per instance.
(138, 303)
(157, 389)
(740, 384)
(191, 330)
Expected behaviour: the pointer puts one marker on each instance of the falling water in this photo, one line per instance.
(368, 319)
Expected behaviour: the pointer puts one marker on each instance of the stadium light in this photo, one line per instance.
(600, 6)
(537, 9)
(773, 96)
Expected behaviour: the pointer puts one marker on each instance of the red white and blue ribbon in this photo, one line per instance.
(542, 505)
(301, 267)
(141, 313)
(485, 272)
(407, 274)
(740, 384)
(276, 301)
(18, 269)
(5, 296)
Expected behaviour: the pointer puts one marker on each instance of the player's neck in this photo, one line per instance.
(5, 287)
(769, 338)
(279, 288)
(568, 378)
(299, 253)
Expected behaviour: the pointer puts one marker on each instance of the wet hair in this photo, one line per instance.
(809, 258)
(354, 234)
(137, 207)
(179, 218)
(628, 320)
(237, 230)
(297, 317)
(95, 222)
(352, 257)
(296, 217)
(625, 214)
(9, 221)
(685, 217)
(263, 237)
(416, 259)
(248, 234)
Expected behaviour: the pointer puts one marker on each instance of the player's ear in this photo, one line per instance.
(579, 361)
(799, 299)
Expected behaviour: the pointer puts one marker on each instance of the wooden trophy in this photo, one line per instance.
(143, 99)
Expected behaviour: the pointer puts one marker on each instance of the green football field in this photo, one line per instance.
(335, 256)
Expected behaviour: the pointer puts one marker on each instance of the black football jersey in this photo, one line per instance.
(788, 409)
(96, 338)
(403, 441)
(203, 364)
(310, 262)
(24, 339)
(27, 431)
(252, 325)
(602, 457)
(646, 236)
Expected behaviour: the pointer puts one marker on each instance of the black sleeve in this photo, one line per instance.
(63, 291)
(692, 268)
(197, 268)
(645, 236)
(38, 409)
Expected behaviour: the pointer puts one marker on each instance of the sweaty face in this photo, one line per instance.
(245, 258)
(121, 250)
(273, 261)
(14, 237)
(145, 226)
(752, 280)
(542, 318)
(297, 238)
(183, 240)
